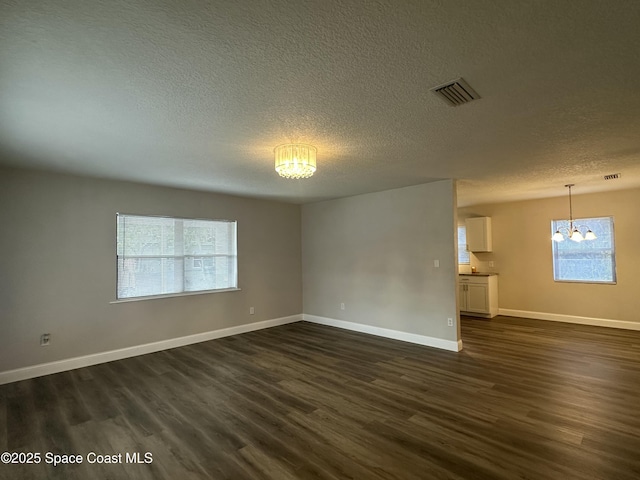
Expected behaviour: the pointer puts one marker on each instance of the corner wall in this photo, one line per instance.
(58, 267)
(523, 258)
(375, 253)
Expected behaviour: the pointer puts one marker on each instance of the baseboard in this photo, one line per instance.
(451, 345)
(40, 370)
(557, 317)
(103, 357)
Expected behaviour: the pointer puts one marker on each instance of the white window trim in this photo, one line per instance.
(169, 295)
(183, 293)
(457, 239)
(613, 253)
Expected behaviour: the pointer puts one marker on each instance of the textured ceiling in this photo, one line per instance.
(196, 94)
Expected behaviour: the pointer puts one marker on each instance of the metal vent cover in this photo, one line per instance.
(612, 176)
(455, 93)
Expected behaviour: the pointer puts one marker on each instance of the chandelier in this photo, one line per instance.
(572, 231)
(295, 160)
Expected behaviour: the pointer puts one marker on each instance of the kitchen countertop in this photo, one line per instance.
(478, 274)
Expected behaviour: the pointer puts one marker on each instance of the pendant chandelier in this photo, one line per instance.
(295, 160)
(573, 232)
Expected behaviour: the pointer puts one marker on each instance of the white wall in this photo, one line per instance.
(376, 253)
(58, 266)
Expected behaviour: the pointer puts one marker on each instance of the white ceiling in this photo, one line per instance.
(196, 94)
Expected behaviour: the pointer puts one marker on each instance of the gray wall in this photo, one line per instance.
(57, 267)
(375, 253)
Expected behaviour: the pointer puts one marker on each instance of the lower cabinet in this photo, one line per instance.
(479, 295)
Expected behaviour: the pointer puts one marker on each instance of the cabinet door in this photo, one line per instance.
(462, 291)
(477, 298)
(478, 234)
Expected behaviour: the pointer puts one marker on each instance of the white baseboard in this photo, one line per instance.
(103, 357)
(557, 317)
(34, 371)
(454, 346)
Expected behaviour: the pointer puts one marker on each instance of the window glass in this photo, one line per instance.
(590, 261)
(463, 254)
(163, 256)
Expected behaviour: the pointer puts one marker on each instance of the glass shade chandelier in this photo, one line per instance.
(295, 160)
(572, 231)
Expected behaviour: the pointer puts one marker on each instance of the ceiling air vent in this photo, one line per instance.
(613, 176)
(456, 92)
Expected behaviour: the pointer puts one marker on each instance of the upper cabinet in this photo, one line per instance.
(479, 234)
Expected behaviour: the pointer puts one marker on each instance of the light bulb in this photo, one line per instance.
(558, 237)
(576, 236)
(590, 235)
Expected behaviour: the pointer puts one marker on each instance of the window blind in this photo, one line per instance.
(166, 255)
(463, 253)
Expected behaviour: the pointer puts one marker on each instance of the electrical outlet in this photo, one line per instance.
(342, 306)
(491, 264)
(45, 339)
(252, 310)
(450, 322)
(436, 263)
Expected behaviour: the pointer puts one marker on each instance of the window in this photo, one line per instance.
(591, 261)
(164, 256)
(463, 254)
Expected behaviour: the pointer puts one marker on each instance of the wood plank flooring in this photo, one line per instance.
(524, 399)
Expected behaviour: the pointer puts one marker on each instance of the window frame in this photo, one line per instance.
(463, 226)
(183, 259)
(583, 221)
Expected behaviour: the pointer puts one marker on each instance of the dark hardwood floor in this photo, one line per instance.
(524, 399)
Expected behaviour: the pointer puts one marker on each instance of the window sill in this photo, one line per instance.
(171, 295)
(592, 282)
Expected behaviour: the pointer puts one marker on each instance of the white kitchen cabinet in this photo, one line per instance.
(478, 295)
(479, 234)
